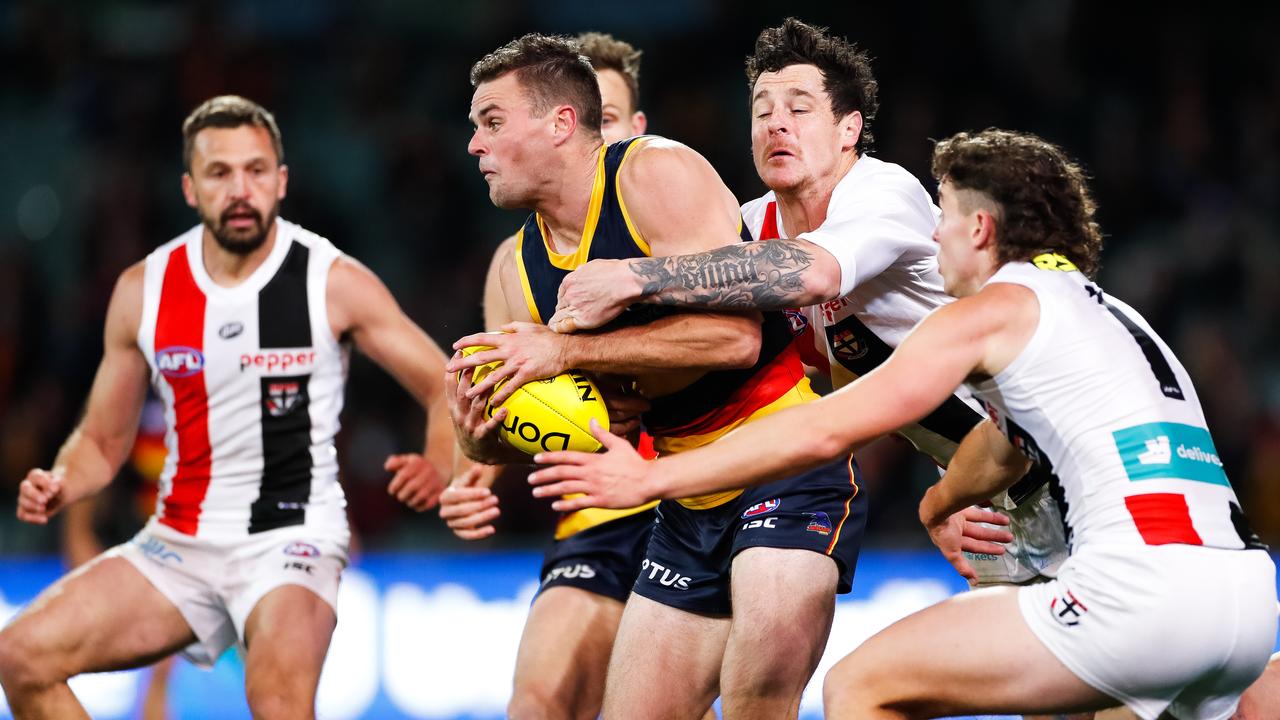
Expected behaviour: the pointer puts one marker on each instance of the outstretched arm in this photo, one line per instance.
(940, 353)
(94, 452)
(361, 307)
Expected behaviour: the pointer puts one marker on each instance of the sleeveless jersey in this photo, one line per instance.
(1097, 399)
(714, 404)
(251, 379)
(879, 226)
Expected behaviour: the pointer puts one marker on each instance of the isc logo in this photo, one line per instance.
(178, 361)
(530, 433)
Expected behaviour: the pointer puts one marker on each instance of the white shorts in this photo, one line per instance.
(215, 584)
(1176, 627)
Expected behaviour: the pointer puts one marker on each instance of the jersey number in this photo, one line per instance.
(1159, 365)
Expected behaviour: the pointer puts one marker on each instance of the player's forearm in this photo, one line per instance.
(697, 342)
(752, 456)
(440, 443)
(768, 275)
(975, 474)
(86, 464)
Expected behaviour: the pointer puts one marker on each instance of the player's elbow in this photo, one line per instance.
(826, 444)
(822, 280)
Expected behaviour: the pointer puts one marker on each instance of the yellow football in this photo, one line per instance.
(550, 414)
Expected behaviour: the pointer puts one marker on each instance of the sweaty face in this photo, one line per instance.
(619, 120)
(796, 141)
(512, 148)
(236, 184)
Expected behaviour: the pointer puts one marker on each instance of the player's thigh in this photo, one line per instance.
(568, 636)
(287, 635)
(665, 663)
(104, 616)
(932, 662)
(792, 594)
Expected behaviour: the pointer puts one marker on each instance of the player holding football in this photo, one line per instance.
(687, 627)
(586, 575)
(1074, 381)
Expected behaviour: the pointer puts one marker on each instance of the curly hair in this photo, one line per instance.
(1042, 198)
(846, 70)
(228, 111)
(605, 52)
(551, 71)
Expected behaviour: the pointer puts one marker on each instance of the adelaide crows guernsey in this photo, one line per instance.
(718, 401)
(251, 378)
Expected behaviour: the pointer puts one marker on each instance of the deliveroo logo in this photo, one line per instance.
(1169, 450)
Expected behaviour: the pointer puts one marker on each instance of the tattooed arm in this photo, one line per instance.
(769, 275)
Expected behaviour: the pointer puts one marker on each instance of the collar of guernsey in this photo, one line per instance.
(717, 402)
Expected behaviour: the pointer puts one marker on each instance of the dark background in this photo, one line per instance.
(1174, 113)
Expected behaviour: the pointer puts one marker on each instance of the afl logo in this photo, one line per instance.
(767, 506)
(301, 549)
(179, 361)
(798, 320)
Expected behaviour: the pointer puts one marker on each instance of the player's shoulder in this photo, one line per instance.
(870, 174)
(874, 187)
(165, 250)
(291, 231)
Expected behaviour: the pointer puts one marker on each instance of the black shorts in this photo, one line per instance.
(687, 563)
(604, 559)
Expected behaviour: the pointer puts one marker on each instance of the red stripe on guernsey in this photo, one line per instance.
(180, 324)
(806, 340)
(1163, 518)
(769, 229)
(767, 385)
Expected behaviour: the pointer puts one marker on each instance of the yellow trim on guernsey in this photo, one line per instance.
(798, 395)
(524, 278)
(578, 257)
(622, 204)
(576, 522)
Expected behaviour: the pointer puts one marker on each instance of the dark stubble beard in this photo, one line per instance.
(241, 242)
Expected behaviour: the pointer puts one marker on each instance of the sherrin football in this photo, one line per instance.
(550, 414)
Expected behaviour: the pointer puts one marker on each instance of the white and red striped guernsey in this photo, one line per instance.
(252, 379)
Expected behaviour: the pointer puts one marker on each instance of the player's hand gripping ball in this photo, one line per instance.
(550, 414)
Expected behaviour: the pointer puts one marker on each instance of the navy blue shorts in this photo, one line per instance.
(687, 563)
(604, 559)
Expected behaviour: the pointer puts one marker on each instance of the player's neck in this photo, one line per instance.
(229, 269)
(804, 207)
(568, 201)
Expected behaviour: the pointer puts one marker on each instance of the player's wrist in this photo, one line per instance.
(932, 508)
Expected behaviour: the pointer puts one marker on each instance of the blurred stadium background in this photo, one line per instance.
(1175, 114)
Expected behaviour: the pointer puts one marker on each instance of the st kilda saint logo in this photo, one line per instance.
(1067, 609)
(282, 397)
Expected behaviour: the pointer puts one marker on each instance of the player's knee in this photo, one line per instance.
(270, 700)
(24, 663)
(847, 692)
(534, 701)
